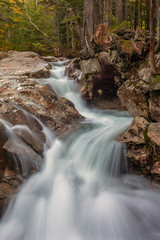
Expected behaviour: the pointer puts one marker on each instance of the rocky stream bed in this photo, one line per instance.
(24, 98)
(116, 79)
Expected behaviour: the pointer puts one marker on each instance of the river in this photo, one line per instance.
(83, 191)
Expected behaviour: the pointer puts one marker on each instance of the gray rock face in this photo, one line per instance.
(133, 99)
(136, 132)
(154, 133)
(21, 158)
(90, 66)
(24, 63)
(73, 71)
(32, 139)
(145, 74)
(154, 105)
(9, 184)
(105, 57)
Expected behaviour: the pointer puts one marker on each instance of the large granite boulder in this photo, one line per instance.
(24, 63)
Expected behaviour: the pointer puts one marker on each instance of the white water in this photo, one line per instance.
(82, 192)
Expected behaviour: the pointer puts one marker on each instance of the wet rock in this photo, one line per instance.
(156, 170)
(145, 74)
(139, 159)
(31, 138)
(24, 63)
(107, 103)
(133, 99)
(136, 133)
(21, 117)
(104, 58)
(154, 133)
(73, 71)
(20, 157)
(154, 105)
(3, 139)
(50, 59)
(90, 66)
(9, 185)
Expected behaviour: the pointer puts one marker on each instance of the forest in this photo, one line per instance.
(80, 119)
(57, 26)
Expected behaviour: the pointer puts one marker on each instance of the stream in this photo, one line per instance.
(83, 191)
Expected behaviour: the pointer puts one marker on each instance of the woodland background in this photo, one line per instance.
(58, 26)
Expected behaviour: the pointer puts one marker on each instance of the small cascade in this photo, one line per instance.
(24, 148)
(83, 191)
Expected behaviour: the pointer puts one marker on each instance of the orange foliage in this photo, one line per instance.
(102, 37)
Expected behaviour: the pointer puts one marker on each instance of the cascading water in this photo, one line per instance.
(82, 192)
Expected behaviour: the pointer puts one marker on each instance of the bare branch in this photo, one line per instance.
(35, 26)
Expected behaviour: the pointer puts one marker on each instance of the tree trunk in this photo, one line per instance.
(119, 10)
(90, 23)
(58, 32)
(109, 13)
(67, 29)
(158, 24)
(125, 10)
(130, 14)
(147, 14)
(137, 15)
(141, 17)
(152, 36)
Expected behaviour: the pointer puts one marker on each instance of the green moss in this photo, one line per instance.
(145, 135)
(156, 79)
(126, 46)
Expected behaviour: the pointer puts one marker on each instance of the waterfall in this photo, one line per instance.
(83, 191)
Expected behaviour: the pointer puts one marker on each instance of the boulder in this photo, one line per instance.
(154, 133)
(133, 99)
(73, 71)
(154, 105)
(104, 58)
(31, 138)
(20, 157)
(50, 59)
(137, 132)
(145, 74)
(90, 66)
(21, 117)
(24, 63)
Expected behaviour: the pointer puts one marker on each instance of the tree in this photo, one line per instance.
(158, 24)
(93, 16)
(119, 10)
(137, 14)
(152, 36)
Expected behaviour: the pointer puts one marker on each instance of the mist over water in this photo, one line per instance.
(84, 191)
